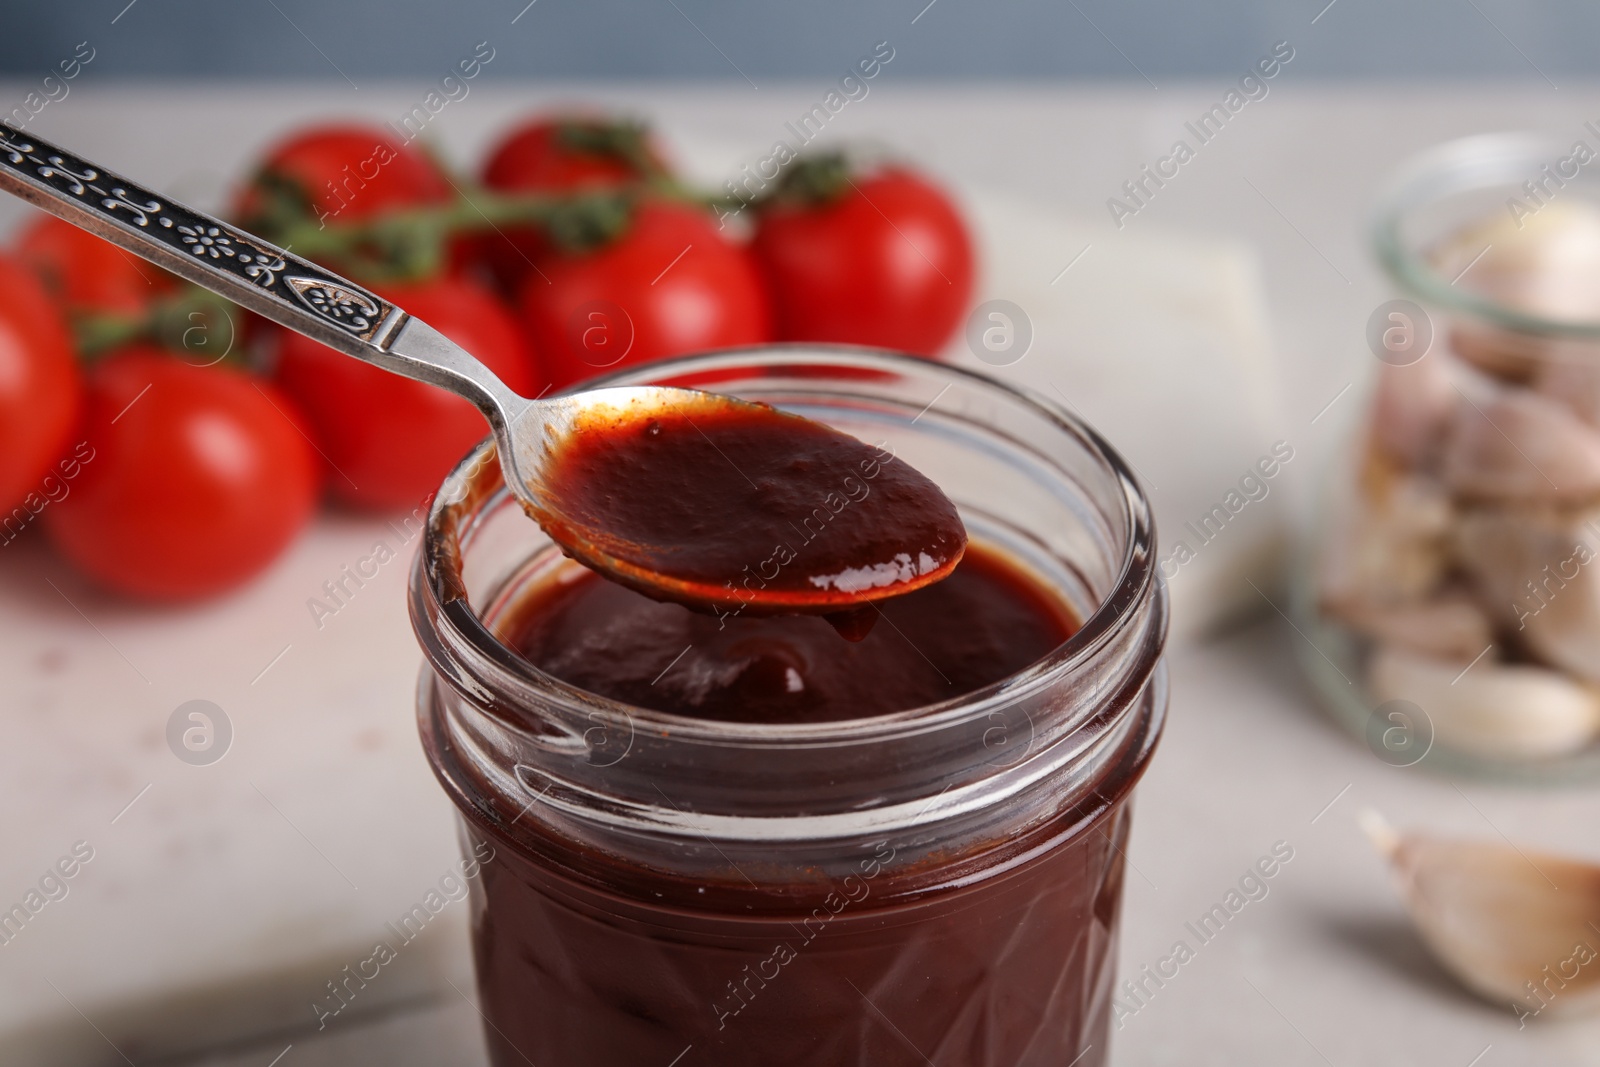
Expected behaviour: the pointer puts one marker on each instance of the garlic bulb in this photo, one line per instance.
(1515, 927)
(1488, 708)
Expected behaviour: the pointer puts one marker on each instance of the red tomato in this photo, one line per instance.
(391, 440)
(89, 274)
(200, 477)
(39, 394)
(888, 263)
(552, 155)
(348, 172)
(669, 286)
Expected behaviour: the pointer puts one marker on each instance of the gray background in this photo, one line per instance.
(1141, 40)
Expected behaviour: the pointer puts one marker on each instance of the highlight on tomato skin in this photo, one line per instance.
(200, 477)
(40, 395)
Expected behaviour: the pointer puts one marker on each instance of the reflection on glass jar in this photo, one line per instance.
(1454, 603)
(935, 884)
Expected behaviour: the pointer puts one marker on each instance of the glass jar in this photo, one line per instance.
(1451, 604)
(940, 884)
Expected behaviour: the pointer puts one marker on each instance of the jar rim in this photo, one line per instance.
(1137, 578)
(1467, 164)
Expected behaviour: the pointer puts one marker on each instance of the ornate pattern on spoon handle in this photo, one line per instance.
(207, 251)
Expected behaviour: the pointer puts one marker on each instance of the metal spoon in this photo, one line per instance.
(532, 436)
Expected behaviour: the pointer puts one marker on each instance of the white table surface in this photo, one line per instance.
(1325, 970)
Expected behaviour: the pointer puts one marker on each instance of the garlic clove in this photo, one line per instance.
(1489, 708)
(1574, 380)
(1449, 625)
(1502, 549)
(1411, 409)
(1566, 631)
(1389, 545)
(1513, 926)
(1513, 358)
(1535, 568)
(1521, 446)
(1545, 264)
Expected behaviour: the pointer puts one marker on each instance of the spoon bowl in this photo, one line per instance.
(729, 505)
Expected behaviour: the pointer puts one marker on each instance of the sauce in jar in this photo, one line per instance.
(586, 961)
(987, 620)
(729, 838)
(1000, 957)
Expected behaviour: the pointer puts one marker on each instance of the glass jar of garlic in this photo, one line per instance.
(1452, 604)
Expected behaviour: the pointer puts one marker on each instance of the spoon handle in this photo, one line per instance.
(291, 291)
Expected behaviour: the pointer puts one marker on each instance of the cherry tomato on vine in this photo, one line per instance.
(669, 285)
(200, 477)
(88, 274)
(342, 173)
(391, 440)
(566, 152)
(559, 154)
(39, 394)
(882, 259)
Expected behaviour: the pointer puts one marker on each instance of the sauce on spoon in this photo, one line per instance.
(729, 506)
